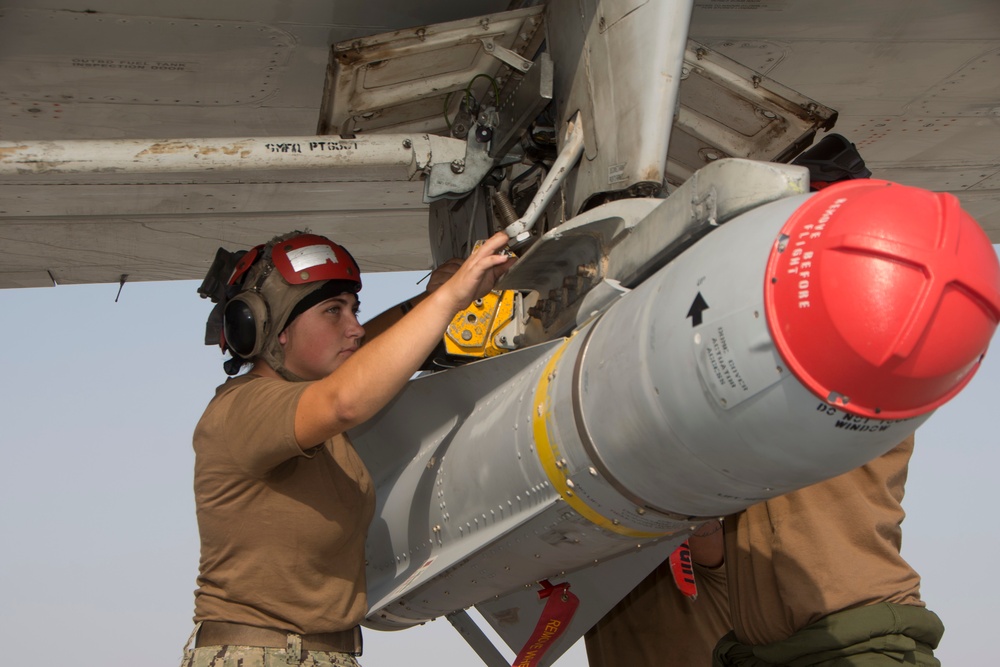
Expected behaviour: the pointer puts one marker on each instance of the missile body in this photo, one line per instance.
(792, 344)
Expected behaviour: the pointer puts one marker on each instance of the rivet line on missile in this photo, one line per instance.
(551, 458)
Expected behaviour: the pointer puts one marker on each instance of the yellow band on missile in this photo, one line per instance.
(549, 455)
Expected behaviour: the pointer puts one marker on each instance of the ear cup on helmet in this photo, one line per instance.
(243, 323)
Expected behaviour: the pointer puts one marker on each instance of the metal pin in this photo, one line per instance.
(121, 284)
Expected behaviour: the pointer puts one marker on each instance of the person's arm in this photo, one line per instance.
(374, 374)
(707, 546)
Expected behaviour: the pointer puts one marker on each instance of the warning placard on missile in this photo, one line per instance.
(735, 356)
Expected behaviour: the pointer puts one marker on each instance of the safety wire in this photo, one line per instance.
(475, 195)
(447, 99)
(493, 83)
(469, 96)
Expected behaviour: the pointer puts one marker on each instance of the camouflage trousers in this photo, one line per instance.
(256, 656)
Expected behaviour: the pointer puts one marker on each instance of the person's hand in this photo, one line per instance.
(476, 276)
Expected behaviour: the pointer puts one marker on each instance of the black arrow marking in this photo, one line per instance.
(697, 308)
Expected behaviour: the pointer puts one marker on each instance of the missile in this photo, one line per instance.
(797, 341)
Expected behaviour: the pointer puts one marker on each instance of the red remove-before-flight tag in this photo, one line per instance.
(556, 615)
(683, 571)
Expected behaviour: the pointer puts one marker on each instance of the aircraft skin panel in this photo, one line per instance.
(915, 84)
(361, 17)
(848, 19)
(146, 70)
(939, 84)
(215, 198)
(114, 76)
(157, 247)
(235, 69)
(198, 77)
(407, 80)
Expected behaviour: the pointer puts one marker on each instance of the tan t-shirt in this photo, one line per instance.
(832, 546)
(282, 530)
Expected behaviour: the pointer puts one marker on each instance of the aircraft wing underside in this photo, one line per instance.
(914, 86)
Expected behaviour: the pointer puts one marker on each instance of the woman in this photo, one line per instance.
(283, 500)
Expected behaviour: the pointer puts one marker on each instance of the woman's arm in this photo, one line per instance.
(374, 374)
(707, 546)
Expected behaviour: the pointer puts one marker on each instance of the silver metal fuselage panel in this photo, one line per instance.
(915, 86)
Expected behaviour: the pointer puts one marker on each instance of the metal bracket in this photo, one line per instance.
(457, 178)
(523, 104)
(505, 55)
(571, 150)
(477, 639)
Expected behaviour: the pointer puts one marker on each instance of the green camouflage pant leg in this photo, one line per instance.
(254, 656)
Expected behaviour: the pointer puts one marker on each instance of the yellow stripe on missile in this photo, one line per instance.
(549, 454)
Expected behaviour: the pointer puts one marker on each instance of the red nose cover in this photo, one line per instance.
(882, 298)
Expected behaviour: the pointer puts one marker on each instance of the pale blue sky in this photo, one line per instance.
(99, 542)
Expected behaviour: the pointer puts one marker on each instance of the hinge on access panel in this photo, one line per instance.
(505, 55)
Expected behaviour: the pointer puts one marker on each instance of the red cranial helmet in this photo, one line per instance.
(276, 282)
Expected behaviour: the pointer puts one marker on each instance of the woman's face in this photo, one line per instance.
(322, 338)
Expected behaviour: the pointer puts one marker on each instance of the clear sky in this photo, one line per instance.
(99, 540)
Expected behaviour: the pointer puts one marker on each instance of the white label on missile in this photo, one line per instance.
(858, 423)
(736, 357)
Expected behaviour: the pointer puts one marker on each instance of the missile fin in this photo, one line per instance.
(599, 588)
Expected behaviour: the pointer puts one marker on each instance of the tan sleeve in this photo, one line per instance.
(258, 421)
(835, 545)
